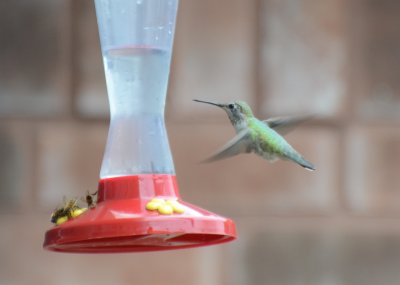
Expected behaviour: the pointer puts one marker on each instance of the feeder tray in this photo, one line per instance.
(121, 223)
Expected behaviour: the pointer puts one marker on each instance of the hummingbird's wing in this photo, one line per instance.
(241, 143)
(283, 125)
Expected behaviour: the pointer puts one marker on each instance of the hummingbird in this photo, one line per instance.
(264, 138)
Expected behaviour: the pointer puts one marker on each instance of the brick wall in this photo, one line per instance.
(338, 59)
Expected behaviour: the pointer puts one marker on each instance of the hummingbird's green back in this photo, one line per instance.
(271, 144)
(268, 139)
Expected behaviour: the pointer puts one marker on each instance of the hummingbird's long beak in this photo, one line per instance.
(211, 103)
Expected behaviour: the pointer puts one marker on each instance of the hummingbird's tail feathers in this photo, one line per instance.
(299, 159)
(306, 164)
(239, 144)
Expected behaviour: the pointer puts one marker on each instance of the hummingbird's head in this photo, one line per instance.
(238, 111)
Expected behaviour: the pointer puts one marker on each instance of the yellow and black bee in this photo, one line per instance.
(68, 211)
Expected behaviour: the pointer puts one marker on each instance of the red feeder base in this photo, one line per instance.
(120, 222)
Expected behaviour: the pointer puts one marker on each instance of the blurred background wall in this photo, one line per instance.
(340, 59)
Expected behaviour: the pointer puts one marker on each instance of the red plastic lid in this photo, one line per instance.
(120, 222)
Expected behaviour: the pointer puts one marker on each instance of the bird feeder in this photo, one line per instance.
(139, 207)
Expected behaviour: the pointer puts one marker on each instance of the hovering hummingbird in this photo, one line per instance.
(265, 138)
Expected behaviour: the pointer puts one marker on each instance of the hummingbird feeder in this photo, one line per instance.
(138, 207)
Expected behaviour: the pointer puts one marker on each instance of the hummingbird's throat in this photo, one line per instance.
(239, 125)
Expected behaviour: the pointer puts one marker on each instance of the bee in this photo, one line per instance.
(58, 214)
(69, 211)
(91, 199)
(64, 213)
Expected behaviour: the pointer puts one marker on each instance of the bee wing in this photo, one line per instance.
(241, 143)
(283, 125)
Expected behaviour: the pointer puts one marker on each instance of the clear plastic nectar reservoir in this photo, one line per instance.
(136, 39)
(137, 79)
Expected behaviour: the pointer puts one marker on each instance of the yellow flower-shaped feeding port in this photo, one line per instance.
(176, 206)
(165, 207)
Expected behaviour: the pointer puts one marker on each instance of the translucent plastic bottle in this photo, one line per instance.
(136, 48)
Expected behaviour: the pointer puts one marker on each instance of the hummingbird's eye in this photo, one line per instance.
(231, 106)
